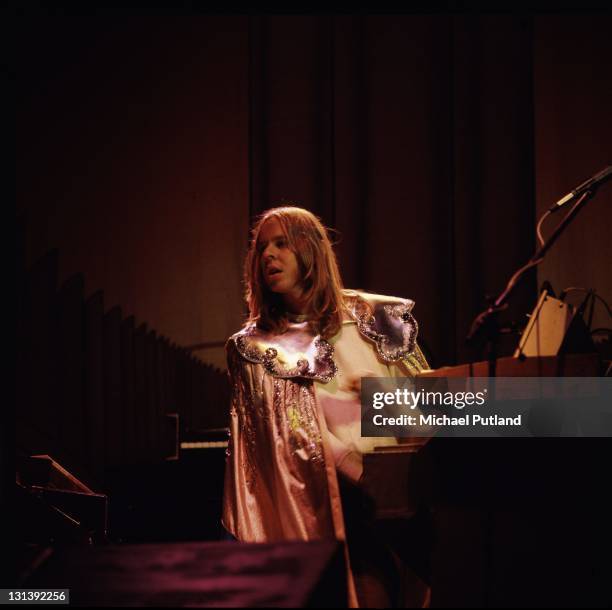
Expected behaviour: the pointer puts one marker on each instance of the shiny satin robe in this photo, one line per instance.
(294, 424)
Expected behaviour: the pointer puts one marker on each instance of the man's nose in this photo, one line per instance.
(269, 252)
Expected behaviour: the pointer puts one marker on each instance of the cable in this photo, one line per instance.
(581, 289)
(539, 227)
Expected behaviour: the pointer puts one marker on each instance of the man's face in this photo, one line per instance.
(279, 264)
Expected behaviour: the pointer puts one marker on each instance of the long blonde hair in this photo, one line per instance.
(308, 239)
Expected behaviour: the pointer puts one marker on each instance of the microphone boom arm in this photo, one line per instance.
(484, 324)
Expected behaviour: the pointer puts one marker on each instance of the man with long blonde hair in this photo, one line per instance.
(295, 369)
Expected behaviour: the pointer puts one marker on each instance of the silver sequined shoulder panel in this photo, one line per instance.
(294, 353)
(388, 323)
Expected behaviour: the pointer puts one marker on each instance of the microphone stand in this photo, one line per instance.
(485, 327)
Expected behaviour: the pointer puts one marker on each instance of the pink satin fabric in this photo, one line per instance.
(289, 439)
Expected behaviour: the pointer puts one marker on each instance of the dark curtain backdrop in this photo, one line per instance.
(412, 136)
(145, 146)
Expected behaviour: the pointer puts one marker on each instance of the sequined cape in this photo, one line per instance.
(280, 479)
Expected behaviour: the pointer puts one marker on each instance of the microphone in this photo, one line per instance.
(590, 184)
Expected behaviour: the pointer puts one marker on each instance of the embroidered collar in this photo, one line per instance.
(385, 321)
(295, 353)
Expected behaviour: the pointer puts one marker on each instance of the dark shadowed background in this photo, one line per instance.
(432, 143)
(146, 144)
